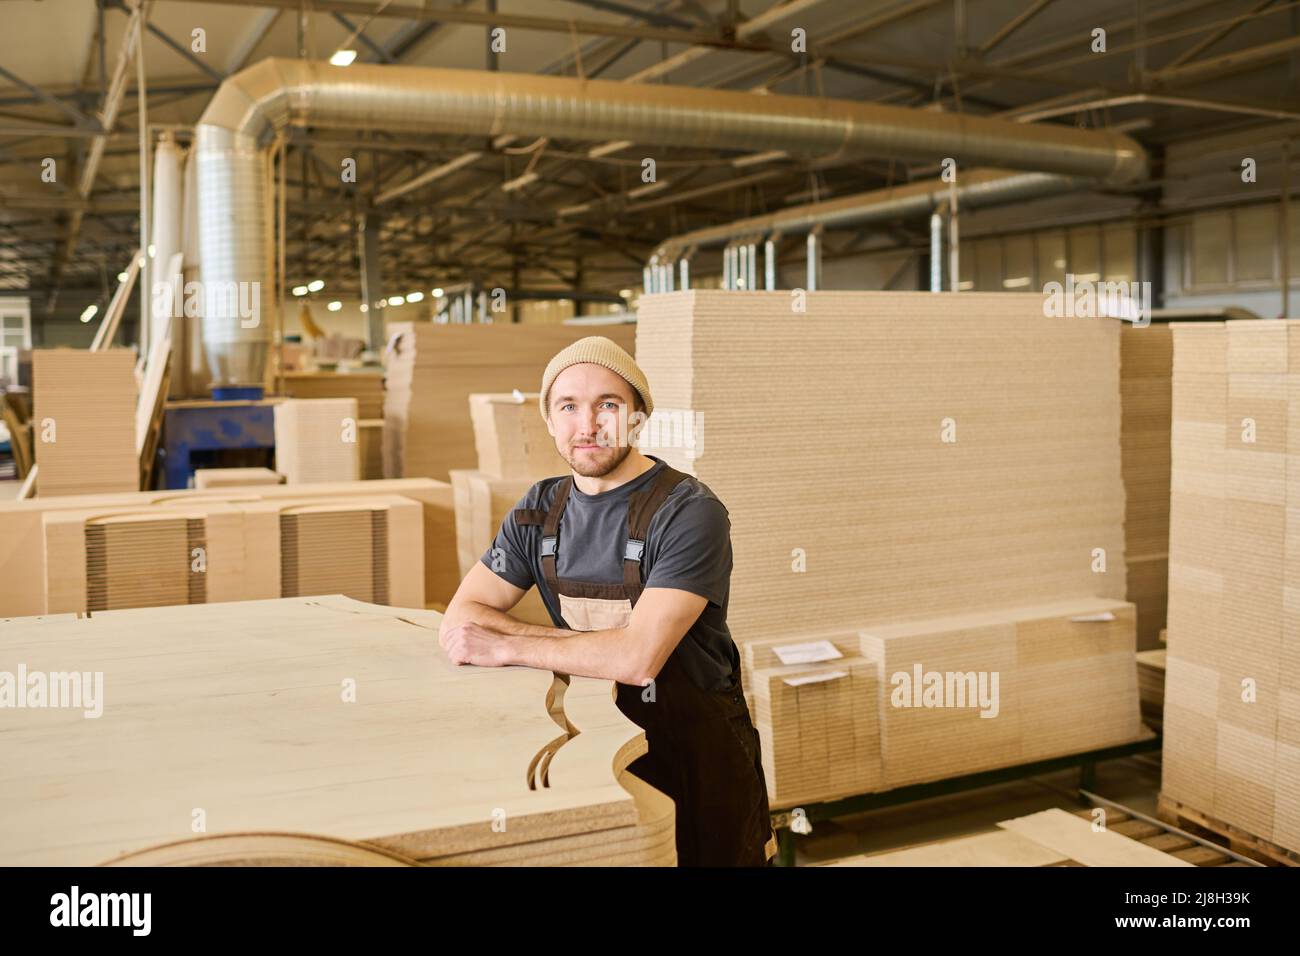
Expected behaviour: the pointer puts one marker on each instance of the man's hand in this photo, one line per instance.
(471, 643)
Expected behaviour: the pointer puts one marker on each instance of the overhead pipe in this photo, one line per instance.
(250, 106)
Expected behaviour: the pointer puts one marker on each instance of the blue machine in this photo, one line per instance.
(236, 428)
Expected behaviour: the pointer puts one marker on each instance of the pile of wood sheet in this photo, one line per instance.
(378, 739)
(511, 438)
(1232, 688)
(23, 558)
(235, 477)
(317, 440)
(1146, 375)
(1151, 685)
(84, 429)
(888, 459)
(432, 369)
(366, 387)
(368, 548)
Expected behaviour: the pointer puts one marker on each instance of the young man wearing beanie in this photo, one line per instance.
(633, 562)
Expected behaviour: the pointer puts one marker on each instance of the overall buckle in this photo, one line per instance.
(549, 543)
(633, 550)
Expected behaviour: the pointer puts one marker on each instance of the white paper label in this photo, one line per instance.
(809, 652)
(816, 677)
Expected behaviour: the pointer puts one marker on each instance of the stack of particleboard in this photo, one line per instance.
(432, 369)
(235, 477)
(317, 440)
(939, 481)
(1151, 685)
(84, 421)
(990, 689)
(1232, 689)
(951, 484)
(366, 387)
(1048, 838)
(1146, 370)
(365, 547)
(441, 759)
(22, 532)
(511, 438)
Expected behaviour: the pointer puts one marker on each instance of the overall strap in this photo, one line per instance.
(641, 508)
(551, 534)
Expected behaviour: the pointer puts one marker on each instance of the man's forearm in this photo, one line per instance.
(608, 654)
(500, 621)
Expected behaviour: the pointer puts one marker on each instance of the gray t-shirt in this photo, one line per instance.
(688, 546)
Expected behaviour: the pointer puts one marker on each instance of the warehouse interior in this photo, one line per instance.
(975, 315)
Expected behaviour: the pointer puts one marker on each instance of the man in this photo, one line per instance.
(633, 561)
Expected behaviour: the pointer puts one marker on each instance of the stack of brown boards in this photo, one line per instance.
(84, 421)
(482, 503)
(1151, 685)
(366, 387)
(22, 534)
(1232, 687)
(511, 438)
(378, 739)
(370, 436)
(1146, 375)
(990, 689)
(207, 551)
(965, 457)
(205, 478)
(432, 369)
(317, 440)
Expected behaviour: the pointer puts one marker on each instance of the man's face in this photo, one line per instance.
(588, 415)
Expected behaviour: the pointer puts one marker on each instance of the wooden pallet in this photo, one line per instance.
(1238, 839)
(1158, 838)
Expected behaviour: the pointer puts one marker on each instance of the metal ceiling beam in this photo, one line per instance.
(360, 34)
(1015, 23)
(256, 32)
(1196, 50)
(79, 118)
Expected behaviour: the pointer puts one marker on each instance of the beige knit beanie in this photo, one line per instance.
(600, 351)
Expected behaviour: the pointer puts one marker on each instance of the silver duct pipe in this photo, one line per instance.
(936, 252)
(978, 187)
(165, 235)
(251, 105)
(769, 262)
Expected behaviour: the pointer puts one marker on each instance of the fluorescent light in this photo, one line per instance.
(152, 250)
(396, 300)
(122, 277)
(315, 285)
(89, 313)
(335, 305)
(604, 149)
(142, 262)
(300, 290)
(646, 189)
(753, 160)
(519, 182)
(364, 307)
(343, 57)
(1019, 282)
(437, 293)
(414, 296)
(625, 293)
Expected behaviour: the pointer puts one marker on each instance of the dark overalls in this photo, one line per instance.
(704, 750)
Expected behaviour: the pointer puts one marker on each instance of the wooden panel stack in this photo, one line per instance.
(940, 455)
(1146, 374)
(235, 477)
(86, 402)
(317, 440)
(511, 438)
(439, 760)
(432, 370)
(366, 387)
(1232, 690)
(200, 552)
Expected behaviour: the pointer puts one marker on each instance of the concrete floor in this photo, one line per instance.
(1131, 781)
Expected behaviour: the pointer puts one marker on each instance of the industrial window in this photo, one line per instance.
(1049, 250)
(1085, 253)
(1119, 252)
(1018, 263)
(1255, 242)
